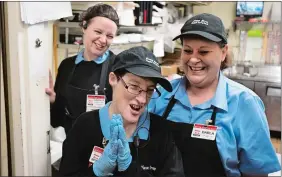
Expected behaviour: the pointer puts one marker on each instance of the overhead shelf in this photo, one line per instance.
(82, 6)
(193, 3)
(75, 46)
(257, 23)
(68, 24)
(115, 48)
(76, 25)
(246, 25)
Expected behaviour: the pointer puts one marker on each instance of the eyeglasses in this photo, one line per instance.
(136, 90)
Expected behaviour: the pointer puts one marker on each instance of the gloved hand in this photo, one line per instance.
(106, 164)
(124, 156)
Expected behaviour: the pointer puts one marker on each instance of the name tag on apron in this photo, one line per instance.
(94, 102)
(95, 155)
(201, 131)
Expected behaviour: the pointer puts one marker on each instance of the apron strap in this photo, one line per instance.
(104, 74)
(213, 116)
(71, 74)
(169, 107)
(171, 104)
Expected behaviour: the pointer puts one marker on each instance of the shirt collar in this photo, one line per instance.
(219, 100)
(180, 92)
(178, 85)
(142, 127)
(99, 60)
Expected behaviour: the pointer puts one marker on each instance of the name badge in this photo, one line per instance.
(95, 155)
(201, 131)
(94, 102)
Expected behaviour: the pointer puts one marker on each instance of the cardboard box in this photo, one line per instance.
(169, 70)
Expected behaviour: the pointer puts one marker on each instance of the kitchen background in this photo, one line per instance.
(254, 42)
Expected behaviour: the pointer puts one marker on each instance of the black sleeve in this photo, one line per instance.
(109, 90)
(57, 108)
(78, 146)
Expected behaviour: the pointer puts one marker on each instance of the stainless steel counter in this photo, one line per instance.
(256, 78)
(268, 88)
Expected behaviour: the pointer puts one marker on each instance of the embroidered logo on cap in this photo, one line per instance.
(152, 61)
(204, 22)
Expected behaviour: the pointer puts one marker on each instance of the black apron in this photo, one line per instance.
(75, 97)
(200, 156)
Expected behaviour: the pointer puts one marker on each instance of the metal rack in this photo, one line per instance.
(270, 51)
(116, 48)
(193, 3)
(245, 25)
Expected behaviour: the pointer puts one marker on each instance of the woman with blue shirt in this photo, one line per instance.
(219, 126)
(85, 75)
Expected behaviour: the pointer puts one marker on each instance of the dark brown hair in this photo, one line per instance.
(228, 59)
(98, 10)
(227, 62)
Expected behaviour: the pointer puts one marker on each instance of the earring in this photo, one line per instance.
(84, 25)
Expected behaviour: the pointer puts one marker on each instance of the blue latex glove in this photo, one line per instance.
(124, 158)
(106, 164)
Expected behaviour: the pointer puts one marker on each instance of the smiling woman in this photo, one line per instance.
(218, 124)
(99, 25)
(86, 74)
(137, 144)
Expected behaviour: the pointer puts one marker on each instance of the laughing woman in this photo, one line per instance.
(219, 126)
(81, 75)
(123, 138)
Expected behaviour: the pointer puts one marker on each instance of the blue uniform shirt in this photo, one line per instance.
(142, 127)
(99, 60)
(242, 138)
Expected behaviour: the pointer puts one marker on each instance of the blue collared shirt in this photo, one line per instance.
(99, 60)
(142, 127)
(243, 138)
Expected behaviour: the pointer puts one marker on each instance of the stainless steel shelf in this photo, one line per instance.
(115, 48)
(193, 3)
(257, 23)
(69, 46)
(68, 24)
(246, 25)
(75, 46)
(76, 25)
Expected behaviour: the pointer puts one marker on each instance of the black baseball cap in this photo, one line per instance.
(206, 25)
(142, 62)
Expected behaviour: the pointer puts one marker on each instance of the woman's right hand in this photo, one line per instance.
(50, 91)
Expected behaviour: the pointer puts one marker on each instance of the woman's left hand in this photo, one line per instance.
(124, 156)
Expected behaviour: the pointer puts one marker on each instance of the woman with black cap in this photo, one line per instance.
(123, 138)
(219, 126)
(85, 75)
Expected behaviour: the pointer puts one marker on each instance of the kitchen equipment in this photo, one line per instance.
(249, 70)
(270, 93)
